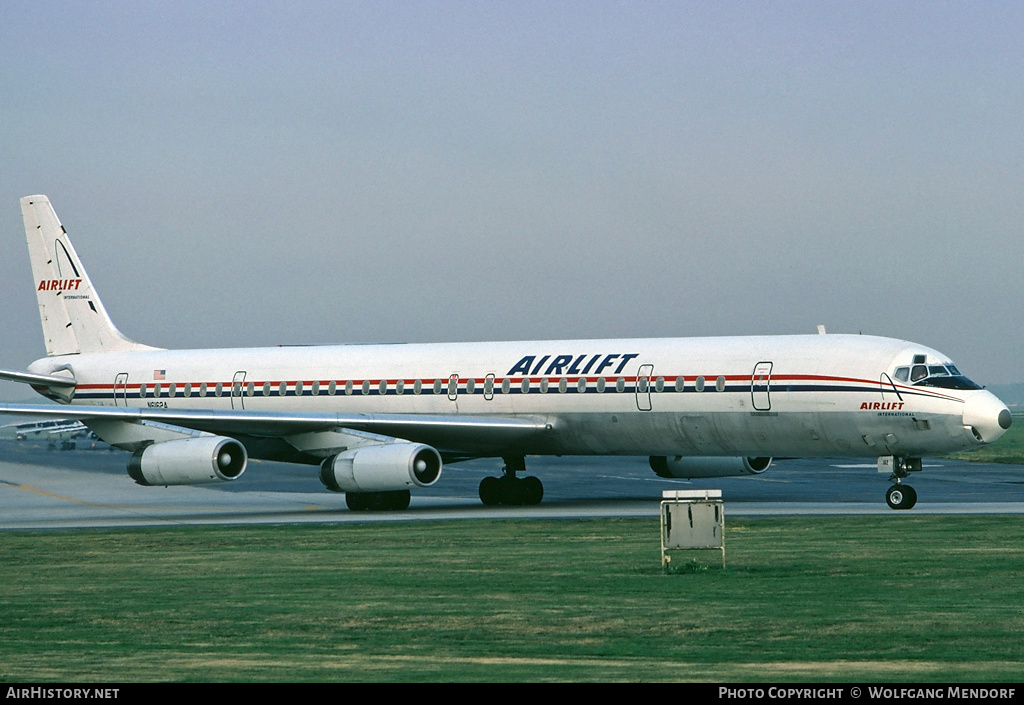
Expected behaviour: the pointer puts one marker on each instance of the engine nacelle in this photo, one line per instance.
(381, 468)
(690, 467)
(189, 461)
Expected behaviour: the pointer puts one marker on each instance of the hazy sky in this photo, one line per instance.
(256, 173)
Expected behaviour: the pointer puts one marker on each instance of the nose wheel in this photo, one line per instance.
(901, 496)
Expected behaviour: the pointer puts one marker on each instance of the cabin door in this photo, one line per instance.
(238, 390)
(760, 381)
(121, 389)
(643, 387)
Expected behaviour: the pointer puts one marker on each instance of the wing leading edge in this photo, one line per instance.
(455, 436)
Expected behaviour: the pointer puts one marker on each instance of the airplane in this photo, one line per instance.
(380, 420)
(59, 426)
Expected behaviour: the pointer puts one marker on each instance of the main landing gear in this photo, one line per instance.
(900, 495)
(509, 489)
(377, 501)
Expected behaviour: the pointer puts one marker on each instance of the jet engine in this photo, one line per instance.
(689, 467)
(381, 468)
(188, 461)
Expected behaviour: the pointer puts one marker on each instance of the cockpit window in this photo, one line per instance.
(949, 382)
(945, 376)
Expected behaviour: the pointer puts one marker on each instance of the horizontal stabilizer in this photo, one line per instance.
(37, 380)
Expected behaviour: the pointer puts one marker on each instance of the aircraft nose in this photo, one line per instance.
(986, 416)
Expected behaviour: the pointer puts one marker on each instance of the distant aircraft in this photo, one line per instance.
(57, 427)
(381, 419)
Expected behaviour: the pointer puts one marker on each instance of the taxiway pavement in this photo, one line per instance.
(83, 488)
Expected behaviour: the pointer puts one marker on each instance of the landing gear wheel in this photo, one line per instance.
(533, 490)
(396, 500)
(378, 501)
(357, 501)
(490, 491)
(901, 496)
(910, 497)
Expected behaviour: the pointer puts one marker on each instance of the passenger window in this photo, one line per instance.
(699, 384)
(680, 383)
(600, 385)
(720, 384)
(620, 384)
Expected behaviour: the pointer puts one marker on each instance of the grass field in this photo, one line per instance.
(881, 598)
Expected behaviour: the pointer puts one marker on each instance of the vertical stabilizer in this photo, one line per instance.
(74, 320)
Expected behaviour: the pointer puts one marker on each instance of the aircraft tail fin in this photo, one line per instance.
(73, 317)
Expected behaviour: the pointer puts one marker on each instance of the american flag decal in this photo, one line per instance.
(159, 374)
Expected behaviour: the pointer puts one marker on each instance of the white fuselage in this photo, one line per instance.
(812, 396)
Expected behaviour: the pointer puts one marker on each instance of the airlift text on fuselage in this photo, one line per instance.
(571, 364)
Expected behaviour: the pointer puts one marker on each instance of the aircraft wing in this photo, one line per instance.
(456, 434)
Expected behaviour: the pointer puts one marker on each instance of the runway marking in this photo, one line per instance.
(873, 466)
(36, 490)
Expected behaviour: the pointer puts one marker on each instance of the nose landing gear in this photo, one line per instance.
(900, 495)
